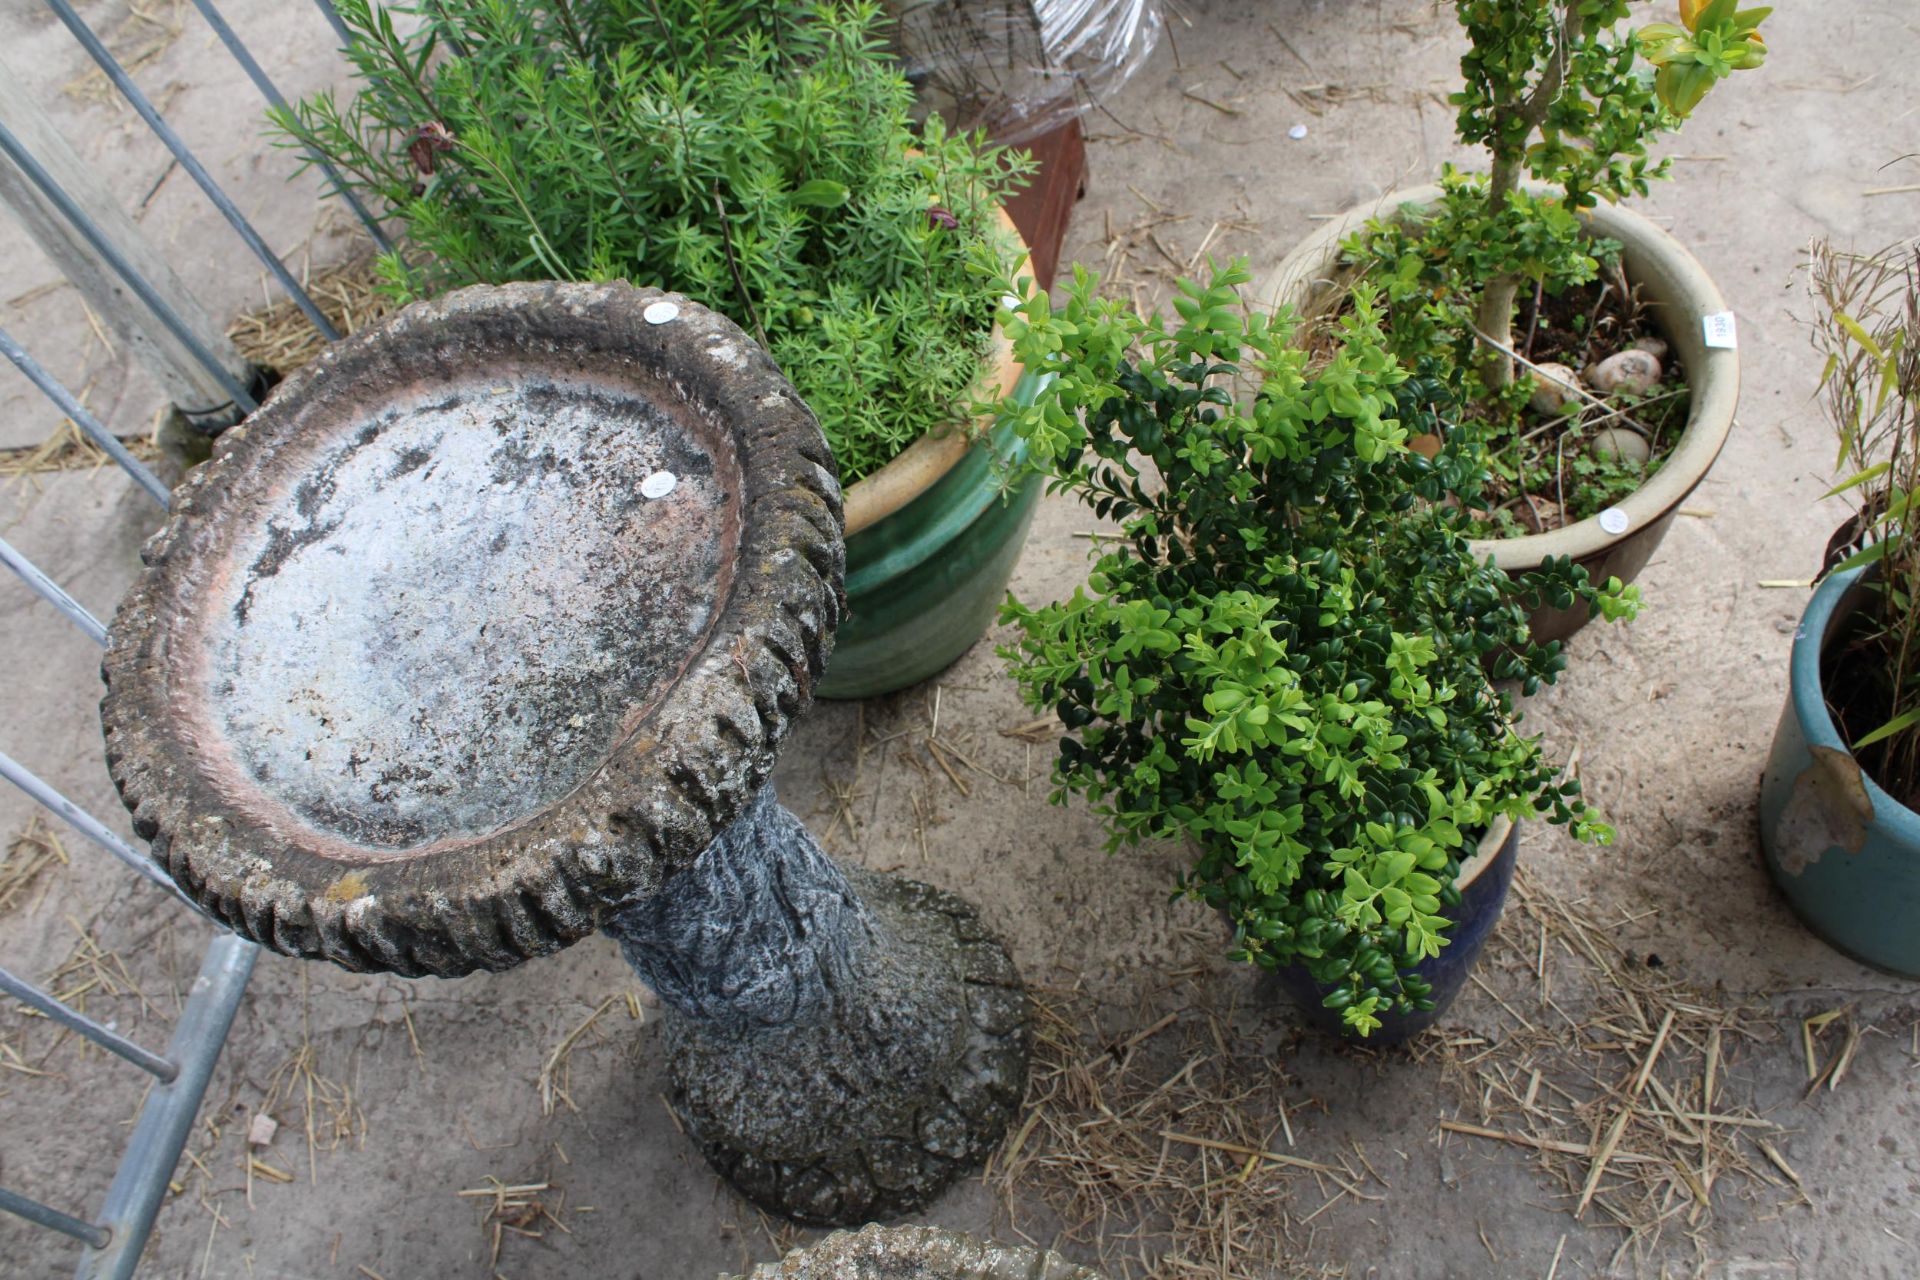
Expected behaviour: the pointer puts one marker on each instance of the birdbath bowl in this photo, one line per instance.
(483, 635)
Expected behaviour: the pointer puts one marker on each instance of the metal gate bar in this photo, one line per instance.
(85, 421)
(50, 591)
(114, 1240)
(272, 94)
(111, 255)
(54, 1220)
(74, 1020)
(133, 1200)
(188, 161)
(159, 1136)
(88, 825)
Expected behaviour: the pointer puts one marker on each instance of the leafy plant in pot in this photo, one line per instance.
(1838, 801)
(760, 157)
(1284, 660)
(1589, 350)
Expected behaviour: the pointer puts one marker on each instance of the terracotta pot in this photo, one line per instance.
(1483, 883)
(931, 545)
(1312, 281)
(1044, 208)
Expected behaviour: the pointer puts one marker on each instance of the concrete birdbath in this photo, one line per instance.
(483, 635)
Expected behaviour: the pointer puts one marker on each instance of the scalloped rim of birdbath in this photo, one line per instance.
(493, 617)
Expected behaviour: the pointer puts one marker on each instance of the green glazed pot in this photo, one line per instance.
(1844, 852)
(924, 583)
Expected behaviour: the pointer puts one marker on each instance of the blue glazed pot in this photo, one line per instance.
(1844, 852)
(1483, 883)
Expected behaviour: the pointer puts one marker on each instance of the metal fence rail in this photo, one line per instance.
(113, 1238)
(191, 163)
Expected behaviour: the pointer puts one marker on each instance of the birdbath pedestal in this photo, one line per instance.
(483, 635)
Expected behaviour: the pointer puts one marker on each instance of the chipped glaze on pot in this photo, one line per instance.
(1682, 295)
(1844, 852)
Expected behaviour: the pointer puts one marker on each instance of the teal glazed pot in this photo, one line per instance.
(925, 582)
(1844, 852)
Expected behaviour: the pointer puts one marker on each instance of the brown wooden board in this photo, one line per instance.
(1044, 209)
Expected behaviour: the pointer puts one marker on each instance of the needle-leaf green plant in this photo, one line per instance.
(759, 156)
(1283, 657)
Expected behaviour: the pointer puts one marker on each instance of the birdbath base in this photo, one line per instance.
(844, 1044)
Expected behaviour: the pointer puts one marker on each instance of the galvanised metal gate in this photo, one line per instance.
(115, 1235)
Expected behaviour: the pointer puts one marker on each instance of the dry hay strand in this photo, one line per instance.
(90, 972)
(279, 337)
(329, 1112)
(141, 37)
(32, 851)
(555, 1081)
(525, 1208)
(1140, 262)
(1629, 1106)
(91, 969)
(68, 449)
(1164, 1151)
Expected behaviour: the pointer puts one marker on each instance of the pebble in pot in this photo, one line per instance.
(1633, 371)
(1622, 444)
(1556, 389)
(1655, 347)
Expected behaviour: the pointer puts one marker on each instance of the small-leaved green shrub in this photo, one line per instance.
(1285, 658)
(756, 155)
(1559, 93)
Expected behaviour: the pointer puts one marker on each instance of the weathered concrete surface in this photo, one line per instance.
(441, 629)
(915, 1253)
(1673, 716)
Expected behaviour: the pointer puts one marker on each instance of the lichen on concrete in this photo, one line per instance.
(463, 607)
(916, 1253)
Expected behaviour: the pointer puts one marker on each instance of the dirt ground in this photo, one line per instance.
(1662, 972)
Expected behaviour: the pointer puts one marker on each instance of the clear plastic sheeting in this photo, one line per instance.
(1020, 68)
